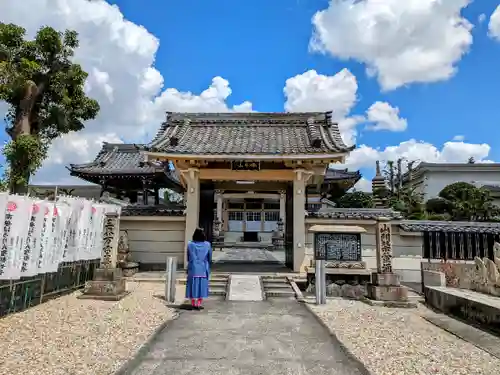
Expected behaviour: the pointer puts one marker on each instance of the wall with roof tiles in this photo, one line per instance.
(406, 246)
(154, 238)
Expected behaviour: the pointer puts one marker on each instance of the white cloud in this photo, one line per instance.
(494, 24)
(119, 57)
(385, 117)
(310, 92)
(458, 138)
(481, 18)
(451, 152)
(401, 42)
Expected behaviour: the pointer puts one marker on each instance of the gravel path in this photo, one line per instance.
(68, 336)
(399, 342)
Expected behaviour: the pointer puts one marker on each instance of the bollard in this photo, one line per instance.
(320, 282)
(170, 279)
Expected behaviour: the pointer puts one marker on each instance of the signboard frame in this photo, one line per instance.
(322, 244)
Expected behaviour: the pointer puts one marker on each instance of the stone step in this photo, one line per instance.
(218, 280)
(287, 293)
(218, 283)
(276, 286)
(217, 291)
(275, 278)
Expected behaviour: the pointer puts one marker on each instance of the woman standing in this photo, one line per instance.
(199, 257)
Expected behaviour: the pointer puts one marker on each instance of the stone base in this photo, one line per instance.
(129, 269)
(359, 265)
(386, 279)
(108, 285)
(387, 293)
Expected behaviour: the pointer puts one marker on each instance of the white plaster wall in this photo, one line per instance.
(153, 239)
(435, 181)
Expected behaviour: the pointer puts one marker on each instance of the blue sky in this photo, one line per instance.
(258, 45)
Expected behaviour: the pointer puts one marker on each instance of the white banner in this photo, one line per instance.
(36, 236)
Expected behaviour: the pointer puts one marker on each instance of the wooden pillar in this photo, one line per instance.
(157, 195)
(283, 205)
(192, 176)
(262, 217)
(145, 185)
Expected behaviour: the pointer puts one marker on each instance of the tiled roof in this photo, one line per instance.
(171, 209)
(116, 159)
(249, 133)
(341, 174)
(355, 213)
(121, 160)
(449, 226)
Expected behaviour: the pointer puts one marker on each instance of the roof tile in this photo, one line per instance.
(249, 133)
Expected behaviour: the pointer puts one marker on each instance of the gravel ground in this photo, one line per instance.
(399, 342)
(68, 336)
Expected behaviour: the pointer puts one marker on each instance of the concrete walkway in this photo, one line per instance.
(270, 337)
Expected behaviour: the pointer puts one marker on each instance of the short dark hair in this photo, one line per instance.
(199, 235)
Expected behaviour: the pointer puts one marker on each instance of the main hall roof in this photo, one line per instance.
(122, 161)
(249, 133)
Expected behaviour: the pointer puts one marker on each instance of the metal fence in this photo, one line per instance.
(18, 295)
(458, 245)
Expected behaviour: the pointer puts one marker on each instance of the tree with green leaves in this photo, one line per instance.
(45, 91)
(408, 201)
(356, 199)
(468, 202)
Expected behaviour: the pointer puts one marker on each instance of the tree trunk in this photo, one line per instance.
(22, 126)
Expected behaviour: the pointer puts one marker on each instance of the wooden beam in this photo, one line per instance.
(229, 175)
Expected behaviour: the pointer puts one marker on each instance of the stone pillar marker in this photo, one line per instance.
(385, 287)
(108, 283)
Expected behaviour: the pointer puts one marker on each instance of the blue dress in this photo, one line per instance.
(199, 255)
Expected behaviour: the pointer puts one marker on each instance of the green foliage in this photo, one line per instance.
(67, 192)
(25, 155)
(45, 91)
(356, 199)
(438, 217)
(467, 202)
(3, 184)
(409, 202)
(437, 206)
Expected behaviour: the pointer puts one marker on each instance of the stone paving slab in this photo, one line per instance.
(245, 288)
(272, 338)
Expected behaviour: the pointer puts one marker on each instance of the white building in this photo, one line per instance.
(431, 178)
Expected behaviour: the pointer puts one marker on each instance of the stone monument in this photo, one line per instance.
(124, 258)
(218, 234)
(487, 273)
(108, 283)
(385, 287)
(278, 238)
